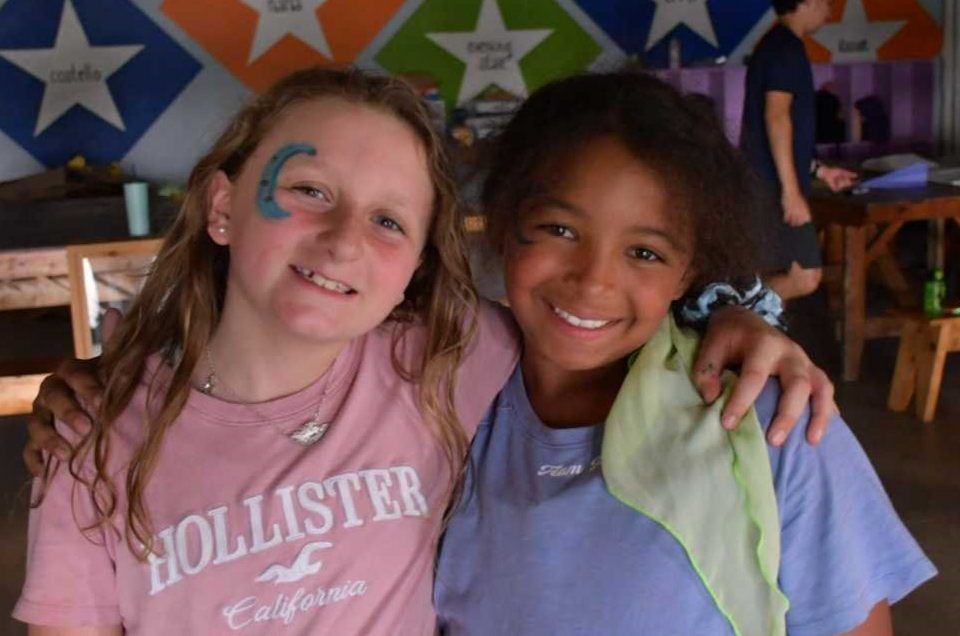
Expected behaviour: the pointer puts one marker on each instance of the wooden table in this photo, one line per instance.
(865, 225)
(32, 278)
(29, 278)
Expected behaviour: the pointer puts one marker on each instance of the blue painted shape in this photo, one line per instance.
(628, 23)
(142, 89)
(268, 179)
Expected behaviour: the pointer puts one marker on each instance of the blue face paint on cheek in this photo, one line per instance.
(268, 179)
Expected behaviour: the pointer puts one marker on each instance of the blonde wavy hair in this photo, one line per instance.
(180, 304)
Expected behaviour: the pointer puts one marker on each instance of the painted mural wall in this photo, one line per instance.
(149, 83)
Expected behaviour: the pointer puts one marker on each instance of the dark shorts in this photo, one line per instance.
(780, 244)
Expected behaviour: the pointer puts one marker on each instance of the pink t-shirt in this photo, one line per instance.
(260, 535)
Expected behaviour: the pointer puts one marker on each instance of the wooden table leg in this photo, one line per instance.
(854, 299)
(931, 356)
(833, 244)
(832, 266)
(892, 277)
(904, 382)
(885, 266)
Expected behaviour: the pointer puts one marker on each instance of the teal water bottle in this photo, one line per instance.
(934, 291)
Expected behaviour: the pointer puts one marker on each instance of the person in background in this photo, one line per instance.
(831, 127)
(778, 136)
(870, 120)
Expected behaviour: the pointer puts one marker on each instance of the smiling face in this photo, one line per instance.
(359, 211)
(596, 262)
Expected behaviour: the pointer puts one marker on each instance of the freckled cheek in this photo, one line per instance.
(392, 264)
(260, 252)
(270, 247)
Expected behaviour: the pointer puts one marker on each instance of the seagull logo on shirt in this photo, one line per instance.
(301, 567)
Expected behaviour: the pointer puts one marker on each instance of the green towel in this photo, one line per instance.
(666, 455)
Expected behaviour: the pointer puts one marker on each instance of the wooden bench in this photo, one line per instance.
(924, 345)
(20, 381)
(17, 393)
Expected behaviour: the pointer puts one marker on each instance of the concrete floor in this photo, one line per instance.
(919, 464)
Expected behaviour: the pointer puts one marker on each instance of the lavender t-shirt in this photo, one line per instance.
(538, 545)
(260, 535)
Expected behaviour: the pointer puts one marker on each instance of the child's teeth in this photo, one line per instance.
(320, 281)
(576, 321)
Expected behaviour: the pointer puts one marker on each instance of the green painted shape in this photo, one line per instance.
(568, 50)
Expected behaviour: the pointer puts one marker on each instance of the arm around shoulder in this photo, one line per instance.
(487, 364)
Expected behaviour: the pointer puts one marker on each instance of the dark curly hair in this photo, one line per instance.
(677, 136)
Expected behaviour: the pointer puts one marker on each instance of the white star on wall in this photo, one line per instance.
(281, 17)
(491, 52)
(73, 72)
(672, 13)
(854, 38)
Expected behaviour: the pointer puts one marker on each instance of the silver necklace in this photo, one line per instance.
(307, 434)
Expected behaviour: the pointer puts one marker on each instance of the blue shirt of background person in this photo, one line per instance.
(539, 546)
(779, 63)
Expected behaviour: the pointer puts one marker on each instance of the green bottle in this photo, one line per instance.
(934, 291)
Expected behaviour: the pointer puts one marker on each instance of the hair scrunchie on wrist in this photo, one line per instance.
(759, 299)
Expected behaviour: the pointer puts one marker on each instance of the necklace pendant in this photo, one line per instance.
(311, 432)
